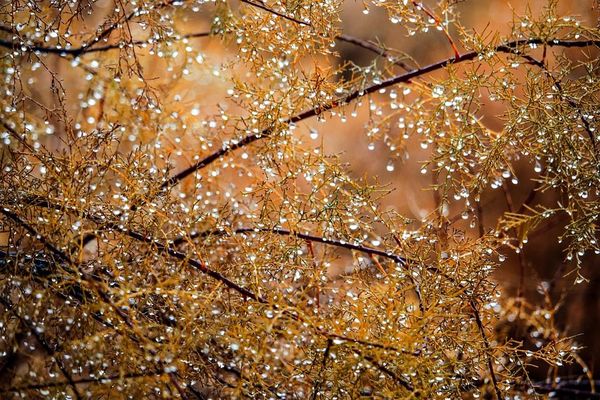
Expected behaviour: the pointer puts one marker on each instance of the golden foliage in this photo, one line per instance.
(174, 225)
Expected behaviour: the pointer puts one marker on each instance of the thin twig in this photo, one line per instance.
(269, 10)
(319, 380)
(487, 347)
(367, 45)
(78, 51)
(400, 380)
(438, 22)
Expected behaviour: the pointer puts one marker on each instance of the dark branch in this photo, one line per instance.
(487, 347)
(44, 343)
(269, 10)
(78, 51)
(284, 232)
(365, 44)
(398, 379)
(102, 380)
(510, 48)
(41, 202)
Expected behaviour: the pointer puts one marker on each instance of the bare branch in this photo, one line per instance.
(510, 47)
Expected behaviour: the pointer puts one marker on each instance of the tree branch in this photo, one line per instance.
(103, 380)
(509, 47)
(365, 44)
(168, 249)
(269, 10)
(487, 347)
(103, 295)
(78, 51)
(284, 232)
(45, 345)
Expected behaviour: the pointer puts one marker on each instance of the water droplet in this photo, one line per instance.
(437, 91)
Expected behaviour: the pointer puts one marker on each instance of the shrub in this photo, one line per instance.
(174, 225)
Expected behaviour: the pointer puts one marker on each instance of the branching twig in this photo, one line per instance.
(365, 44)
(398, 379)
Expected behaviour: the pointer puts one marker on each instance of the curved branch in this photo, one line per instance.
(41, 202)
(45, 345)
(509, 48)
(89, 380)
(269, 10)
(78, 51)
(486, 345)
(367, 45)
(284, 232)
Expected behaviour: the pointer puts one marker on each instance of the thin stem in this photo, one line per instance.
(269, 10)
(510, 206)
(438, 22)
(571, 102)
(400, 380)
(107, 31)
(103, 380)
(78, 51)
(319, 380)
(317, 239)
(487, 347)
(479, 323)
